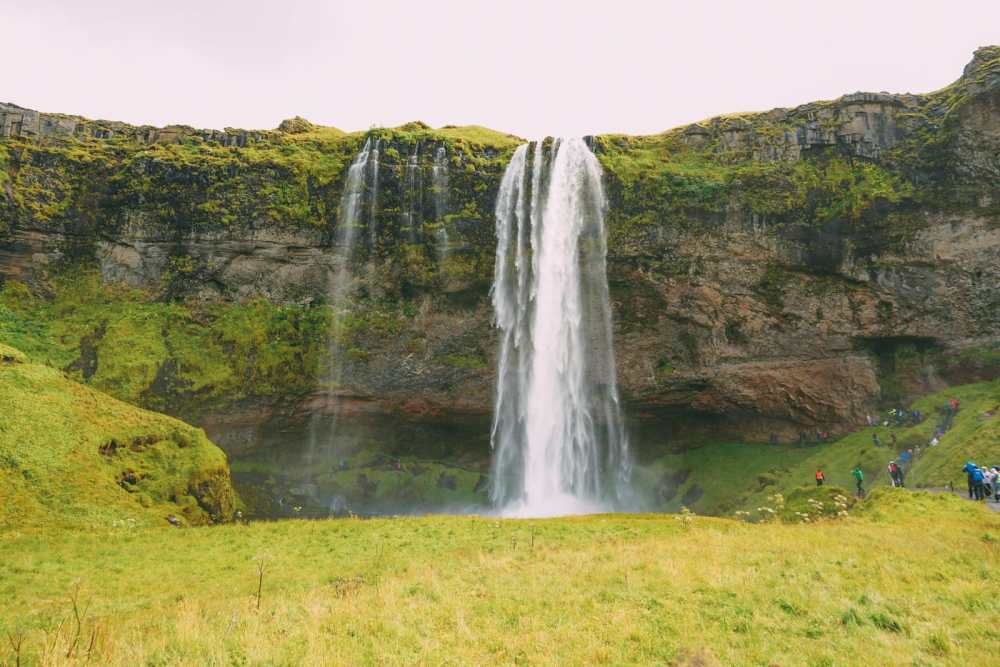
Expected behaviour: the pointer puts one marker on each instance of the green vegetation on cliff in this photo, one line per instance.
(72, 456)
(908, 580)
(165, 353)
(190, 356)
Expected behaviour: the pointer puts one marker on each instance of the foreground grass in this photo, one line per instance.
(911, 580)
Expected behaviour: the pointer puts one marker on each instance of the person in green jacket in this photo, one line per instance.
(859, 477)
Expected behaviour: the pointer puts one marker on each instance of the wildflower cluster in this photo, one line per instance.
(841, 504)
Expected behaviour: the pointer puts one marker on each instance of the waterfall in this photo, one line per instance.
(372, 156)
(558, 437)
(362, 180)
(439, 190)
(412, 195)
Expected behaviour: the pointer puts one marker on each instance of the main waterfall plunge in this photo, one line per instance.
(558, 437)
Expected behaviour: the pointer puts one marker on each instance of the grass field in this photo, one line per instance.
(909, 578)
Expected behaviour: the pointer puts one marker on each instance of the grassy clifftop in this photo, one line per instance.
(71, 456)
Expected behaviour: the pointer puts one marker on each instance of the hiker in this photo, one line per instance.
(868, 418)
(969, 469)
(935, 441)
(875, 439)
(893, 473)
(953, 403)
(996, 484)
(774, 439)
(820, 477)
(977, 483)
(988, 483)
(859, 477)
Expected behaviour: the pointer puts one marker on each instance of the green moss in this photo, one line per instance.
(77, 457)
(771, 287)
(11, 355)
(186, 356)
(467, 362)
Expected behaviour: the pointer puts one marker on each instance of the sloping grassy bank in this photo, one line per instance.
(909, 581)
(720, 478)
(72, 456)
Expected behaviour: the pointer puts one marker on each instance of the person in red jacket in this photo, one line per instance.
(820, 477)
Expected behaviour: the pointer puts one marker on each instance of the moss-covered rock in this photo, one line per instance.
(72, 456)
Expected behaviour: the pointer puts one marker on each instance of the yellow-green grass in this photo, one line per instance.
(911, 580)
(72, 456)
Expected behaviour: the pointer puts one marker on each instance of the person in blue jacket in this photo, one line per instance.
(977, 484)
(970, 469)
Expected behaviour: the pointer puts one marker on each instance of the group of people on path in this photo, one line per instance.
(983, 481)
(859, 477)
(895, 469)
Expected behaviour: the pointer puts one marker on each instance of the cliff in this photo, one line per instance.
(770, 272)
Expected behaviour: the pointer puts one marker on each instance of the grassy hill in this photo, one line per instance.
(72, 456)
(720, 478)
(909, 578)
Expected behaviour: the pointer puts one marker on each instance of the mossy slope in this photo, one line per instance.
(72, 456)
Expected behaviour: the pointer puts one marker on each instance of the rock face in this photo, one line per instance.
(768, 271)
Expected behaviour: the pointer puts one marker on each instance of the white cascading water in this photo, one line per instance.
(558, 436)
(362, 179)
(373, 194)
(439, 190)
(412, 194)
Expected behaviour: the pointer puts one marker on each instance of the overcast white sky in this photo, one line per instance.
(527, 67)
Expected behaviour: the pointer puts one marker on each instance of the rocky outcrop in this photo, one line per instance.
(17, 121)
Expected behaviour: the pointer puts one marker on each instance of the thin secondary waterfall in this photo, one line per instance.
(412, 194)
(558, 437)
(373, 193)
(360, 187)
(439, 190)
